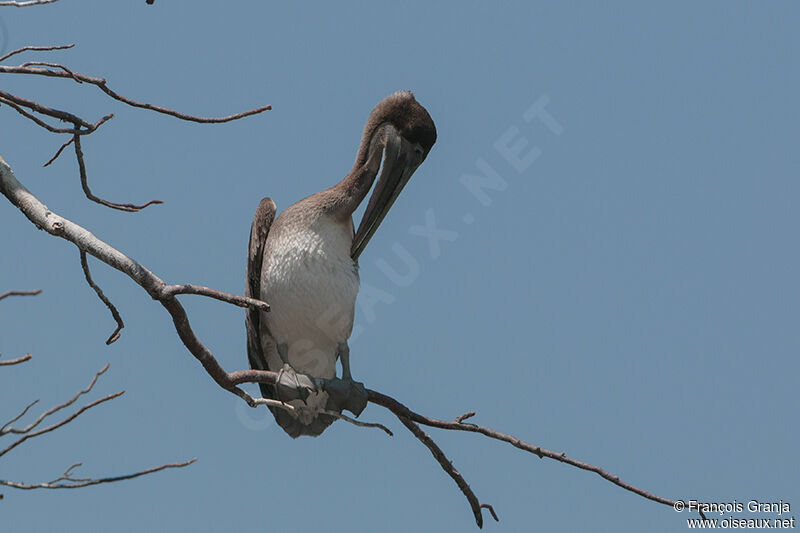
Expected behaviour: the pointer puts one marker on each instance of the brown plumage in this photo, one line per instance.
(305, 261)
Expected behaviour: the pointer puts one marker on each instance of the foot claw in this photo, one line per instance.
(293, 386)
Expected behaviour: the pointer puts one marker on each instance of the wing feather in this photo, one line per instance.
(265, 214)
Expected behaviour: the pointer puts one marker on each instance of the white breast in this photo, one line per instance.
(311, 284)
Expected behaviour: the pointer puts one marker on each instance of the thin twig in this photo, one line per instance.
(463, 417)
(447, 466)
(28, 3)
(18, 360)
(82, 127)
(241, 301)
(66, 481)
(288, 407)
(51, 65)
(114, 313)
(101, 84)
(57, 425)
(269, 402)
(49, 111)
(55, 114)
(20, 293)
(359, 423)
(35, 48)
(58, 153)
(53, 409)
(491, 510)
(34, 118)
(85, 185)
(20, 415)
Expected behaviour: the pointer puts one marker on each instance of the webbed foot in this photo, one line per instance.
(292, 385)
(346, 394)
(357, 399)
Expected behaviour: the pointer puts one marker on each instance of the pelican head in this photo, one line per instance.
(403, 131)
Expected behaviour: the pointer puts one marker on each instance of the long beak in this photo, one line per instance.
(400, 160)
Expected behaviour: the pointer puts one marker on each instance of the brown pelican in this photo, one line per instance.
(305, 264)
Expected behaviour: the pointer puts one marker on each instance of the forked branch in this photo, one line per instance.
(32, 110)
(56, 70)
(65, 480)
(58, 226)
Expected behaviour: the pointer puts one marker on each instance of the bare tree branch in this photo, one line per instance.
(16, 361)
(66, 481)
(241, 301)
(36, 49)
(358, 423)
(20, 415)
(13, 3)
(58, 152)
(63, 422)
(63, 72)
(448, 467)
(21, 431)
(11, 102)
(81, 126)
(76, 141)
(165, 294)
(58, 226)
(114, 313)
(269, 402)
(20, 293)
(491, 511)
(17, 103)
(51, 65)
(401, 411)
(34, 118)
(50, 112)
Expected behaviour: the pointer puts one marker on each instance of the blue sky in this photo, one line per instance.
(627, 294)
